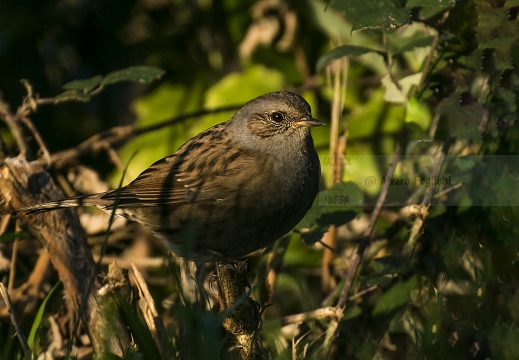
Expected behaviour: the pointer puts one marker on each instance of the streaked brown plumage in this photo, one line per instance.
(228, 191)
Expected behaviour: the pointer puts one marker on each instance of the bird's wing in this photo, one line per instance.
(206, 169)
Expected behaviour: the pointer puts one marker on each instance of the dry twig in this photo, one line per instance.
(14, 321)
(366, 238)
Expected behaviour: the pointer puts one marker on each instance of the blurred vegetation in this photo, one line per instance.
(437, 277)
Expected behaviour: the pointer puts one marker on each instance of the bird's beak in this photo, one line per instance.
(307, 121)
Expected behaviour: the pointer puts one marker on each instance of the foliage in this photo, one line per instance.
(437, 277)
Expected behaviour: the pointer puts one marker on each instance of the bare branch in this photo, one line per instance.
(22, 184)
(14, 321)
(14, 127)
(366, 238)
(116, 136)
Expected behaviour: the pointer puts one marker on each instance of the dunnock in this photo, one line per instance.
(230, 190)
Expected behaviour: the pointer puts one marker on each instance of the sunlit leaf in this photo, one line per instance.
(398, 94)
(39, 316)
(345, 50)
(418, 112)
(165, 102)
(413, 44)
(239, 87)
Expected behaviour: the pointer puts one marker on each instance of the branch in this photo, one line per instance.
(19, 333)
(242, 315)
(22, 184)
(13, 124)
(116, 136)
(366, 238)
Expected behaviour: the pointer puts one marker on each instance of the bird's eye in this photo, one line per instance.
(277, 116)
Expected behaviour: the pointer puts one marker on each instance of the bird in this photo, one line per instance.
(231, 190)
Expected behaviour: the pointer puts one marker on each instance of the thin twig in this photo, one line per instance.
(4, 222)
(322, 313)
(389, 64)
(331, 248)
(339, 69)
(369, 230)
(434, 126)
(115, 159)
(448, 190)
(429, 60)
(184, 117)
(363, 292)
(12, 270)
(18, 329)
(427, 63)
(422, 210)
(118, 135)
(29, 105)
(484, 122)
(12, 122)
(440, 159)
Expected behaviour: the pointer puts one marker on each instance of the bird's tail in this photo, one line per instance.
(83, 200)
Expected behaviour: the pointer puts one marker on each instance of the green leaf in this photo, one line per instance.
(38, 318)
(335, 206)
(85, 85)
(495, 30)
(465, 163)
(342, 197)
(10, 237)
(398, 95)
(463, 119)
(389, 265)
(239, 87)
(383, 281)
(418, 112)
(140, 332)
(413, 44)
(352, 312)
(373, 14)
(111, 356)
(141, 74)
(396, 297)
(165, 101)
(345, 50)
(72, 95)
(430, 8)
(504, 341)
